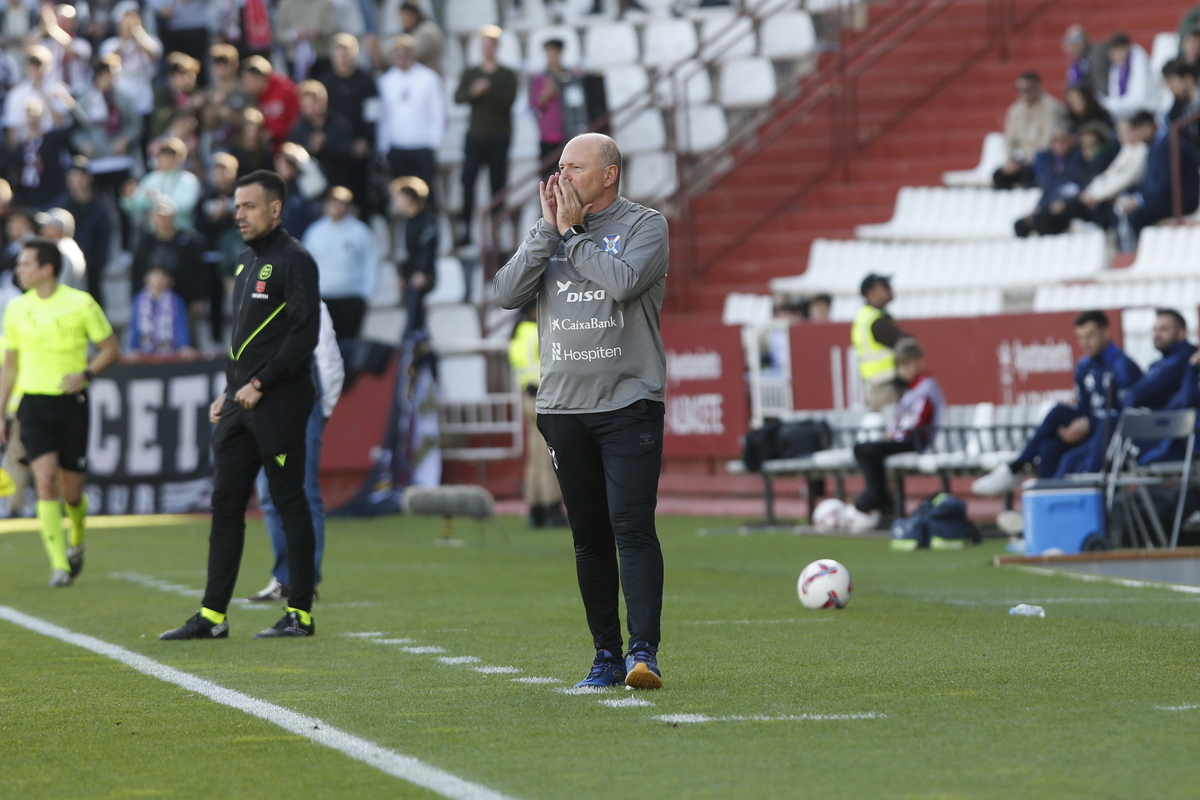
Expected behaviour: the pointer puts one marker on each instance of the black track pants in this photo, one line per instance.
(607, 465)
(272, 436)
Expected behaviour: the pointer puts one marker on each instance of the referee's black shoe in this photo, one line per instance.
(290, 625)
(199, 628)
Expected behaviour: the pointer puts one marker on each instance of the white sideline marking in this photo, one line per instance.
(423, 650)
(751, 621)
(583, 690)
(381, 758)
(393, 641)
(497, 670)
(686, 719)
(459, 660)
(364, 634)
(1129, 582)
(626, 702)
(536, 680)
(1177, 708)
(150, 582)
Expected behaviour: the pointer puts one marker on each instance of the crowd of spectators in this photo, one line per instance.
(126, 125)
(1103, 154)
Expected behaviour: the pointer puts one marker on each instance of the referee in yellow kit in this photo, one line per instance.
(46, 335)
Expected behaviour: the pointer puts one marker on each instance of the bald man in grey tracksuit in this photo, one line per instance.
(597, 264)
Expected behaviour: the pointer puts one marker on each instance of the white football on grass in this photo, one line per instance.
(824, 584)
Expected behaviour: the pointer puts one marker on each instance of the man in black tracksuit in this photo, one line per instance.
(276, 323)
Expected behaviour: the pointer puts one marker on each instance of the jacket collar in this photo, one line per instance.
(619, 206)
(1184, 348)
(267, 241)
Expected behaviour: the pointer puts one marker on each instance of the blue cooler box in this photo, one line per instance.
(1061, 515)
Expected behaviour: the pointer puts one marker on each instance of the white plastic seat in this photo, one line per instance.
(450, 289)
(699, 128)
(650, 176)
(747, 83)
(727, 36)
(462, 378)
(508, 50)
(452, 324)
(536, 52)
(451, 151)
(1165, 47)
(610, 43)
(642, 132)
(932, 213)
(668, 42)
(769, 8)
(747, 309)
(688, 82)
(467, 16)
(623, 84)
(526, 141)
(991, 158)
(788, 35)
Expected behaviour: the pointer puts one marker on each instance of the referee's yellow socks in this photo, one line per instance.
(305, 616)
(215, 617)
(49, 513)
(78, 515)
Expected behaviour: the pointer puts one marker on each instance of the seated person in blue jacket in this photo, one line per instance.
(1188, 396)
(1071, 438)
(918, 415)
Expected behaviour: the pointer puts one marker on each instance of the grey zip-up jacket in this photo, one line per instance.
(599, 302)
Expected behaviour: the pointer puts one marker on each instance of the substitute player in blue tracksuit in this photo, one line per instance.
(1071, 438)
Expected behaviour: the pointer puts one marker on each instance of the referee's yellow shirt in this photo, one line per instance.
(51, 336)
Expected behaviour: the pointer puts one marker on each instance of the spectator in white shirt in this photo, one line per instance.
(37, 86)
(412, 117)
(71, 54)
(344, 248)
(139, 53)
(1130, 85)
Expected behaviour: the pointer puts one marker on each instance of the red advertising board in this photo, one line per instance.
(707, 408)
(1011, 359)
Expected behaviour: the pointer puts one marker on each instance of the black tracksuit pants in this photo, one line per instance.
(271, 436)
(608, 465)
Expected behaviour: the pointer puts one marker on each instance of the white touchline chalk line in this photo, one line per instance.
(751, 621)
(424, 649)
(583, 690)
(393, 641)
(684, 719)
(381, 758)
(1129, 582)
(496, 670)
(626, 702)
(1177, 708)
(363, 634)
(536, 680)
(150, 582)
(459, 659)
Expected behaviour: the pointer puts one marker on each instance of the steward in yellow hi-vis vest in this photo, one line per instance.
(874, 334)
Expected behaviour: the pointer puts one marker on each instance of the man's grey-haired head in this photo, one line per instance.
(608, 154)
(908, 350)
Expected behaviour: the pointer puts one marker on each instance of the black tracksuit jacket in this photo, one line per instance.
(276, 317)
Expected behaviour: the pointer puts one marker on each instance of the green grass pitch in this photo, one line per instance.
(968, 701)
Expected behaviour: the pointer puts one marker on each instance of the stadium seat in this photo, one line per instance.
(699, 128)
(610, 44)
(669, 42)
(526, 138)
(788, 35)
(1165, 47)
(747, 83)
(769, 8)
(727, 36)
(450, 287)
(650, 176)
(508, 51)
(838, 266)
(688, 81)
(623, 84)
(467, 16)
(1163, 252)
(993, 156)
(451, 151)
(642, 132)
(931, 213)
(535, 47)
(747, 309)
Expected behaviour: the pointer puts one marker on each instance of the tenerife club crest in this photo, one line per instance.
(612, 244)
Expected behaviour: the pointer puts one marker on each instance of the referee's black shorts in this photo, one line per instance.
(55, 423)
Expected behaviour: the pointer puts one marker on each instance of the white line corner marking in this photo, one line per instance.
(387, 761)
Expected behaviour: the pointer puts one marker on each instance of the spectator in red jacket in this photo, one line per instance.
(275, 97)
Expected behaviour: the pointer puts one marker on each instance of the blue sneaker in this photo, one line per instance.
(641, 667)
(607, 670)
